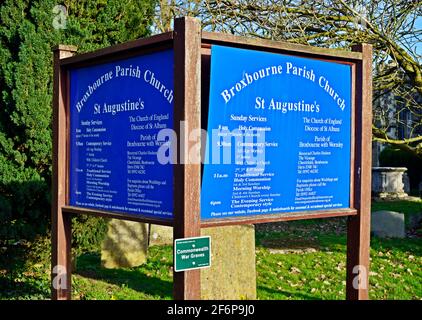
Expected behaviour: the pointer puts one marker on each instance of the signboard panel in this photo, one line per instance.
(192, 253)
(285, 122)
(116, 111)
(279, 134)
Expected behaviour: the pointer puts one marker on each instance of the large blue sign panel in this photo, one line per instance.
(116, 112)
(279, 134)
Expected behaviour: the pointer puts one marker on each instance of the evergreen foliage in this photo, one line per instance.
(27, 37)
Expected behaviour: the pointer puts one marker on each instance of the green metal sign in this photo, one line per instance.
(192, 253)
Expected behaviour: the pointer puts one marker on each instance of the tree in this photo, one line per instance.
(389, 25)
(28, 31)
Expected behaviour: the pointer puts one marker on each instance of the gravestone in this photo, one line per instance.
(388, 224)
(232, 275)
(125, 245)
(232, 255)
(160, 235)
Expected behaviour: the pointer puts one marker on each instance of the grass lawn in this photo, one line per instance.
(404, 206)
(320, 274)
(295, 260)
(396, 271)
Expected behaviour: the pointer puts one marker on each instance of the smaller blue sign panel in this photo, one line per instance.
(117, 110)
(279, 134)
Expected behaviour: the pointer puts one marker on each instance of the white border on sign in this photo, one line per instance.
(191, 238)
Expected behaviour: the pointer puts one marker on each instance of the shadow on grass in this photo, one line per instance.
(408, 207)
(15, 280)
(410, 245)
(89, 266)
(286, 243)
(12, 290)
(335, 243)
(291, 294)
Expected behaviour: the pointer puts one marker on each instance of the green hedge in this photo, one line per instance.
(27, 36)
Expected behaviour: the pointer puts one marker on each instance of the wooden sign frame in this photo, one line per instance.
(191, 79)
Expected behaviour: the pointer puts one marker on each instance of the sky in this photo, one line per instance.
(418, 26)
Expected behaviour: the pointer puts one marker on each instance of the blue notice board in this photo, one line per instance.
(116, 111)
(279, 134)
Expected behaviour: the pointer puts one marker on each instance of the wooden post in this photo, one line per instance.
(60, 223)
(358, 226)
(187, 176)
